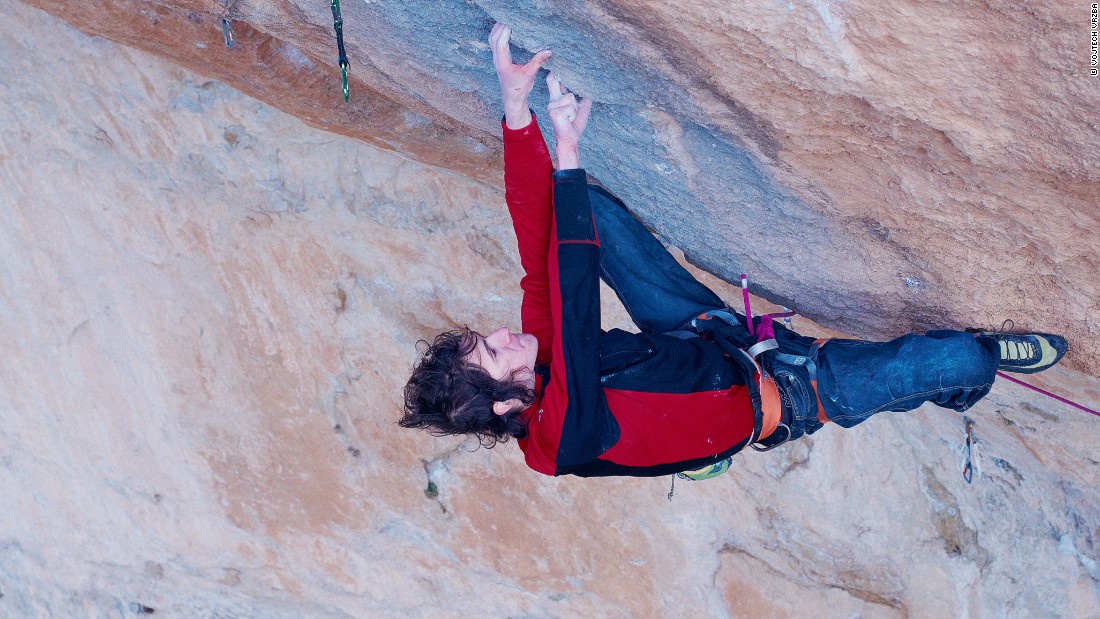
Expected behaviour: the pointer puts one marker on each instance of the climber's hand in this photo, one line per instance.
(516, 80)
(569, 119)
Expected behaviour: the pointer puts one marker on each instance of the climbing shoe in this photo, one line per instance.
(1026, 353)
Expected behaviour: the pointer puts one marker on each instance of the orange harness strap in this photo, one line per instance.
(821, 416)
(771, 405)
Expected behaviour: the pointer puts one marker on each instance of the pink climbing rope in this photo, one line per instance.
(765, 331)
(745, 295)
(1047, 393)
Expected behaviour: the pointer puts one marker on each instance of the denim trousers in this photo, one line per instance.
(855, 379)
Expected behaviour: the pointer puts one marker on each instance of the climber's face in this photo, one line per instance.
(502, 353)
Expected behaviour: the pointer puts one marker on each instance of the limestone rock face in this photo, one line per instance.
(208, 308)
(879, 168)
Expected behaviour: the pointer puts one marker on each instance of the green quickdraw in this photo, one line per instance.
(338, 25)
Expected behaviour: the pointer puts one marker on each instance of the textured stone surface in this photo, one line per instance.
(207, 311)
(880, 168)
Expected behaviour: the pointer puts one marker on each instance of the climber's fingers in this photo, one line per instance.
(554, 85)
(498, 41)
(563, 115)
(532, 67)
(565, 104)
(584, 110)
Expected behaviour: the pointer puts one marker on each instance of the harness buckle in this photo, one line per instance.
(761, 347)
(767, 444)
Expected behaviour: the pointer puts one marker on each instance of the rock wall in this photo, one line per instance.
(207, 310)
(881, 169)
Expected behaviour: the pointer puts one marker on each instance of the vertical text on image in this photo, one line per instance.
(1094, 36)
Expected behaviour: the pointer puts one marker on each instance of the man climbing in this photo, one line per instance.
(699, 382)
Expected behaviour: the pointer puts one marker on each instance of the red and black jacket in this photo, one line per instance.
(613, 403)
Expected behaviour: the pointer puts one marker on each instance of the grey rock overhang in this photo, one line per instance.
(876, 179)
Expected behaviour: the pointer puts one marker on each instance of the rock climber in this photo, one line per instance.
(699, 382)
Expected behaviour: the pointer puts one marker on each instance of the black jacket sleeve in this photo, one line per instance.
(589, 429)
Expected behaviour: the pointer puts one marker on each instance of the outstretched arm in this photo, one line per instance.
(528, 188)
(588, 428)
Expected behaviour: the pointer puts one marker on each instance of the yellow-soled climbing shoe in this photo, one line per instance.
(1027, 353)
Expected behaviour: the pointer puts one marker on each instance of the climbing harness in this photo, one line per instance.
(768, 419)
(338, 25)
(970, 456)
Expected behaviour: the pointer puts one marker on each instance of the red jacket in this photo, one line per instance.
(612, 403)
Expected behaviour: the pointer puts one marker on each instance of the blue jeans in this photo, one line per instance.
(658, 293)
(856, 379)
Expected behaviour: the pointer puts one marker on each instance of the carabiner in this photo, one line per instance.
(970, 453)
(227, 32)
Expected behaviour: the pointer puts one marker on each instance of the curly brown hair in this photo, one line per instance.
(449, 395)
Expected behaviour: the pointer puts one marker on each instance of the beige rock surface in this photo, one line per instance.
(207, 311)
